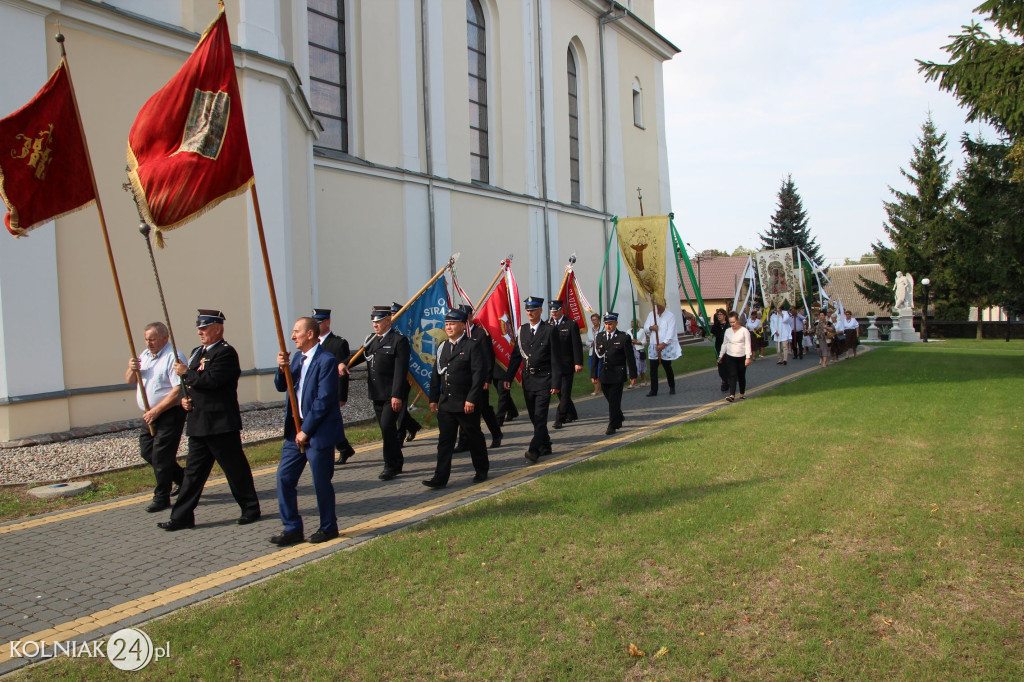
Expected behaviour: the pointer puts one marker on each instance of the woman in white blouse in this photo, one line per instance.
(735, 356)
(852, 327)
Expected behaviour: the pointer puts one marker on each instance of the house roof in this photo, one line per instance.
(842, 280)
(719, 276)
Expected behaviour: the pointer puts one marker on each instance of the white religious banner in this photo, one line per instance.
(777, 273)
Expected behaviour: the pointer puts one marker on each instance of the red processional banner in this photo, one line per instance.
(188, 149)
(499, 315)
(44, 166)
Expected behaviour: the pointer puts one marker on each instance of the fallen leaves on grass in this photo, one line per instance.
(661, 652)
(635, 652)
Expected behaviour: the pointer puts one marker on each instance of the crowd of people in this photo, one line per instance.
(198, 395)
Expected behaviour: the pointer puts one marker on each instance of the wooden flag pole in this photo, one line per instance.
(490, 287)
(103, 228)
(277, 314)
(437, 275)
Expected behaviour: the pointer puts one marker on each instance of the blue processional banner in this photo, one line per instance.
(423, 323)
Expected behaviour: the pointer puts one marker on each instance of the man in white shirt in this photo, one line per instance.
(664, 346)
(165, 414)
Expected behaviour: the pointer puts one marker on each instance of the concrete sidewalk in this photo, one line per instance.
(87, 572)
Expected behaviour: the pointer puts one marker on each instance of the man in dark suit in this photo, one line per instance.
(315, 378)
(615, 351)
(456, 392)
(386, 353)
(480, 335)
(338, 347)
(567, 333)
(537, 350)
(213, 425)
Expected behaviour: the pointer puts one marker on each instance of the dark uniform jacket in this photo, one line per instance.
(387, 363)
(617, 359)
(212, 384)
(569, 345)
(459, 375)
(539, 354)
(480, 335)
(338, 347)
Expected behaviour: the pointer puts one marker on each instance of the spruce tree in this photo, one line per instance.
(789, 224)
(919, 227)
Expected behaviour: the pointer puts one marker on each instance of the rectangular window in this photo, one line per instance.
(328, 87)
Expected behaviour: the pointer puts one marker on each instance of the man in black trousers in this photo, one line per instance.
(338, 347)
(213, 425)
(537, 351)
(386, 353)
(456, 392)
(570, 349)
(480, 335)
(615, 351)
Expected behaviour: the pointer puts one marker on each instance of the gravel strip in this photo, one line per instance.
(59, 457)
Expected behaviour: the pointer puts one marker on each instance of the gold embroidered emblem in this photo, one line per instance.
(37, 150)
(206, 124)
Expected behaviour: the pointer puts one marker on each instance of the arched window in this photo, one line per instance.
(328, 87)
(475, 39)
(574, 129)
(638, 104)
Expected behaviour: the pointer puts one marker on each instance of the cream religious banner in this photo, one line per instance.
(642, 242)
(776, 271)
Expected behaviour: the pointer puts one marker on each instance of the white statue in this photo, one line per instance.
(904, 288)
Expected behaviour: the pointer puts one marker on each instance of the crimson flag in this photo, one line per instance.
(500, 317)
(575, 302)
(187, 150)
(44, 166)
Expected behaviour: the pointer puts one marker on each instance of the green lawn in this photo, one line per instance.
(861, 523)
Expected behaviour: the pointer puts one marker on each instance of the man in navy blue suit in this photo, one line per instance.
(315, 377)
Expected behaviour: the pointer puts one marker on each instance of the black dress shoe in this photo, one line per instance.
(246, 519)
(388, 474)
(557, 425)
(479, 478)
(651, 394)
(323, 536)
(495, 442)
(610, 431)
(672, 391)
(156, 506)
(434, 485)
(175, 489)
(461, 447)
(532, 456)
(412, 435)
(287, 537)
(173, 525)
(344, 454)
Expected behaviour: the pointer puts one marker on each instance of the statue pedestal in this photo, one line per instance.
(872, 329)
(906, 327)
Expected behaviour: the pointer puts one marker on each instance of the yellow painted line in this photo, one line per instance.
(135, 607)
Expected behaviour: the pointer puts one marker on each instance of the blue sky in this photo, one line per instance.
(827, 90)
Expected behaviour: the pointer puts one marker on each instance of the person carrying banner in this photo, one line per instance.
(664, 346)
(338, 347)
(213, 425)
(386, 353)
(165, 416)
(408, 427)
(480, 335)
(537, 351)
(314, 372)
(456, 391)
(614, 348)
(570, 350)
